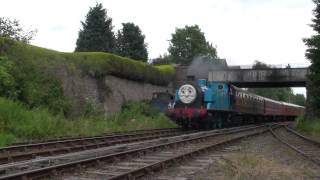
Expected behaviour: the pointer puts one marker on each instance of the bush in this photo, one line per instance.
(308, 126)
(6, 139)
(99, 64)
(139, 115)
(32, 102)
(21, 80)
(27, 72)
(18, 123)
(23, 123)
(7, 81)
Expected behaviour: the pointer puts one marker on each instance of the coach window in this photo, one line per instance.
(245, 99)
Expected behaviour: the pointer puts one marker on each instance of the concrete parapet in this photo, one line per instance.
(275, 77)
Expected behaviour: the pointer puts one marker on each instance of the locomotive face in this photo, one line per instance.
(187, 93)
(212, 104)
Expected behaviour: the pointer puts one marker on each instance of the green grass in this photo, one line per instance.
(18, 123)
(33, 104)
(96, 64)
(28, 73)
(311, 127)
(165, 68)
(242, 166)
(22, 81)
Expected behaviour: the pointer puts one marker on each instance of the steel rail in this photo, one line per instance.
(63, 138)
(317, 162)
(302, 136)
(30, 151)
(41, 172)
(160, 165)
(75, 139)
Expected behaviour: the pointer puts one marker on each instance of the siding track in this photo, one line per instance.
(303, 145)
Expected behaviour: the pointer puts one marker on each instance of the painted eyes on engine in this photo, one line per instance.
(187, 93)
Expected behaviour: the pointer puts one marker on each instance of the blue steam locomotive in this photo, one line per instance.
(209, 105)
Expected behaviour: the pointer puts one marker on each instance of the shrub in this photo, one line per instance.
(23, 123)
(89, 108)
(6, 139)
(7, 81)
(311, 127)
(27, 72)
(20, 80)
(18, 123)
(99, 64)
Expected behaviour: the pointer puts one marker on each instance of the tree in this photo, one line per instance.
(279, 94)
(161, 60)
(211, 51)
(299, 99)
(189, 42)
(130, 42)
(96, 34)
(313, 54)
(8, 83)
(12, 29)
(260, 65)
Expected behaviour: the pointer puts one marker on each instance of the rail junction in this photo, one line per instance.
(305, 146)
(27, 151)
(131, 160)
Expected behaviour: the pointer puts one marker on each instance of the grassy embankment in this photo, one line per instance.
(19, 123)
(33, 105)
(311, 128)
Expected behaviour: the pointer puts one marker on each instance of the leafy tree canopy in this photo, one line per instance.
(12, 29)
(313, 54)
(279, 94)
(189, 42)
(161, 59)
(96, 34)
(130, 42)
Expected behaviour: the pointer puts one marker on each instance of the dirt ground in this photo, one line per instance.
(261, 157)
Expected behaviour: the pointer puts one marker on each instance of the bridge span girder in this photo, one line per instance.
(275, 77)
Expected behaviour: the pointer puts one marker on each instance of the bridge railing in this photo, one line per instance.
(278, 66)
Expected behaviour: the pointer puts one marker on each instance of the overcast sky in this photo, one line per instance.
(243, 30)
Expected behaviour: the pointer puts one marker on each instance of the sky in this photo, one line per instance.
(242, 30)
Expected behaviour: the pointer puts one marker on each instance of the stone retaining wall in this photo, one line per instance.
(106, 95)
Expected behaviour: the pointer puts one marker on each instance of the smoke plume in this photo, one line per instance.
(202, 65)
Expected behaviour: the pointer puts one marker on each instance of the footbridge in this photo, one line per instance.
(268, 77)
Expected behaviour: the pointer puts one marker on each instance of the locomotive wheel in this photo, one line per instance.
(186, 124)
(203, 125)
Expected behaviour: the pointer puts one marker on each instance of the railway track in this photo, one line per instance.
(84, 137)
(299, 143)
(129, 160)
(61, 146)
